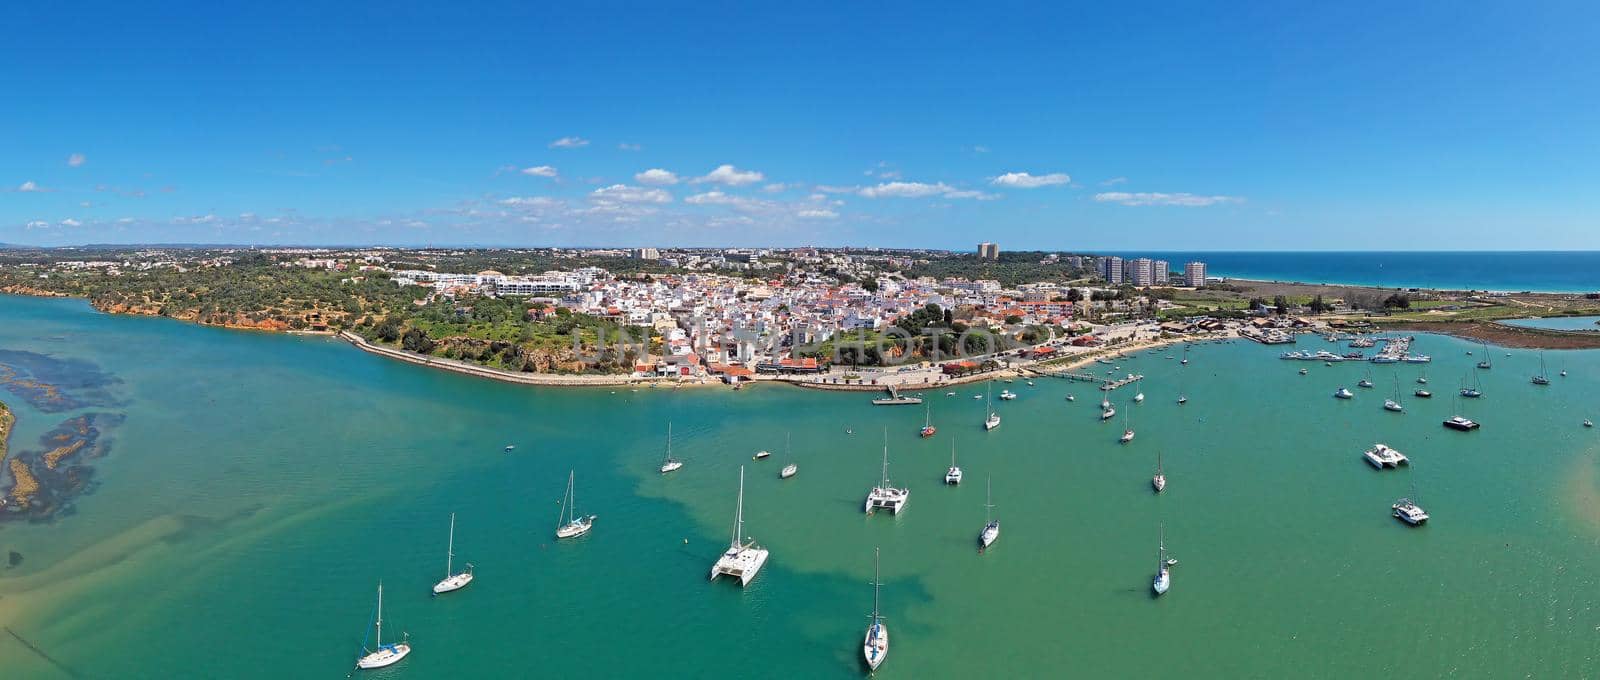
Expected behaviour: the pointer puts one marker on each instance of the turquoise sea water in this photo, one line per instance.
(261, 485)
(1564, 323)
(1554, 271)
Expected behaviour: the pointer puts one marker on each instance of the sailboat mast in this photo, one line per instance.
(380, 615)
(738, 513)
(952, 452)
(877, 581)
(669, 440)
(450, 552)
(988, 501)
(886, 458)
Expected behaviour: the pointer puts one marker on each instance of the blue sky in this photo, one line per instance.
(1175, 126)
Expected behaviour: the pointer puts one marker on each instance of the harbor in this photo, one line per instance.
(269, 504)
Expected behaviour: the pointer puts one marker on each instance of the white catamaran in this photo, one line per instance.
(875, 646)
(883, 495)
(742, 560)
(452, 581)
(569, 524)
(384, 655)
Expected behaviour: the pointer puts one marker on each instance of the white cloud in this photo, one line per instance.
(774, 187)
(980, 149)
(38, 224)
(76, 160)
(1023, 180)
(569, 143)
(731, 176)
(533, 201)
(905, 190)
(836, 189)
(1151, 198)
(623, 193)
(656, 177)
(1114, 181)
(972, 194)
(630, 147)
(69, 222)
(30, 187)
(816, 214)
(540, 171)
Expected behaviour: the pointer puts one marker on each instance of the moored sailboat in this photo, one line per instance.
(953, 475)
(569, 524)
(669, 463)
(875, 646)
(742, 560)
(384, 655)
(452, 581)
(1159, 481)
(1163, 579)
(991, 526)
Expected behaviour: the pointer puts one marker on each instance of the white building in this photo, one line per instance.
(1194, 274)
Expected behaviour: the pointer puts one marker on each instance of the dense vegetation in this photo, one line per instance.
(1012, 269)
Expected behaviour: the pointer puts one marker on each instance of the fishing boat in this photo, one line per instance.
(1159, 481)
(883, 495)
(1344, 393)
(669, 463)
(927, 424)
(384, 655)
(1163, 579)
(993, 419)
(452, 580)
(570, 524)
(743, 559)
(875, 647)
(991, 526)
(953, 475)
(1541, 379)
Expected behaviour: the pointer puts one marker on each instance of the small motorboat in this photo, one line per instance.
(1424, 394)
(1344, 393)
(1182, 400)
(1364, 383)
(1071, 398)
(761, 455)
(1588, 423)
(510, 448)
(1302, 371)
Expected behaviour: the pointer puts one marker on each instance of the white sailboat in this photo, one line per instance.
(1127, 430)
(875, 646)
(384, 655)
(991, 526)
(1485, 364)
(884, 495)
(452, 581)
(953, 475)
(569, 524)
(742, 560)
(1160, 480)
(1163, 579)
(993, 421)
(1394, 403)
(790, 469)
(1541, 379)
(669, 463)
